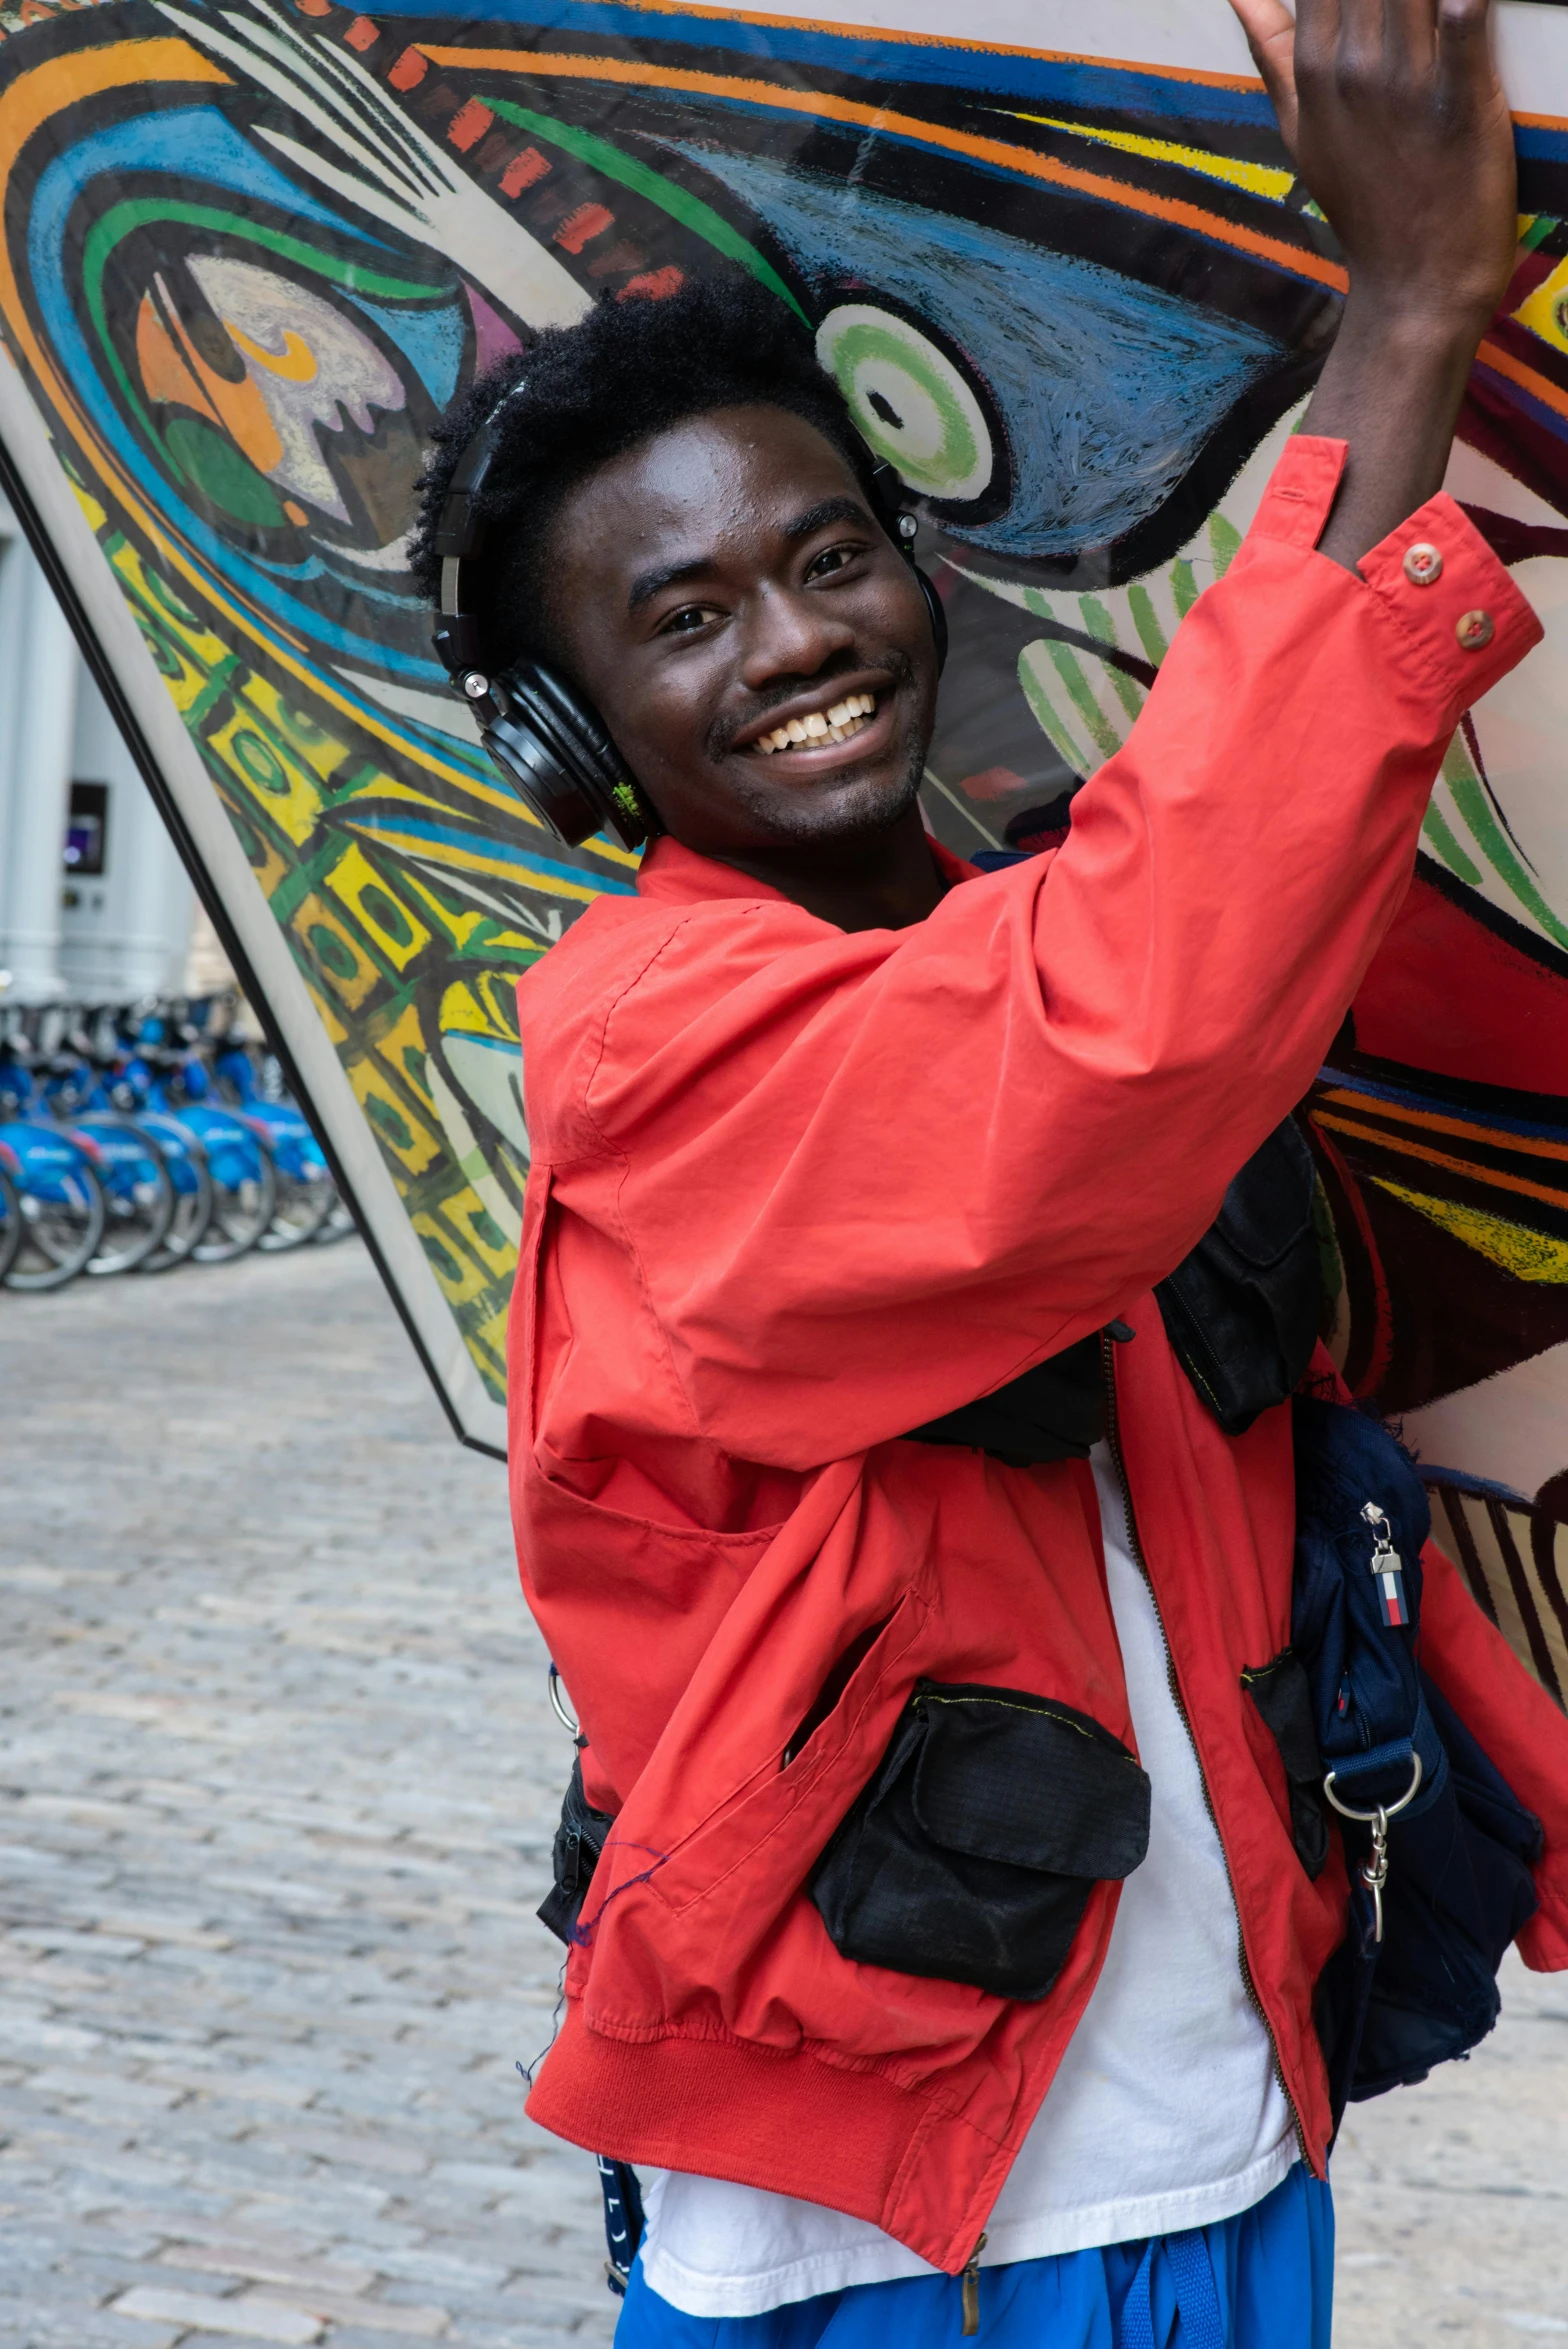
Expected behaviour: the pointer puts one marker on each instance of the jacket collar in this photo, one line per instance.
(673, 875)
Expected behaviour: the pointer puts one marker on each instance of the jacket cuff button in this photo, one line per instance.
(1423, 563)
(1474, 629)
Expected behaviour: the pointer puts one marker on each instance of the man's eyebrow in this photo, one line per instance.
(648, 584)
(818, 517)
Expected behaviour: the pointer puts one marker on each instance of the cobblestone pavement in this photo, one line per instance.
(280, 1783)
(279, 1780)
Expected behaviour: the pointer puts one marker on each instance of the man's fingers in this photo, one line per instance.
(1271, 31)
(1409, 34)
(1464, 49)
(1271, 36)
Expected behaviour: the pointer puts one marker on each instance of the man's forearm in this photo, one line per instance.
(1392, 390)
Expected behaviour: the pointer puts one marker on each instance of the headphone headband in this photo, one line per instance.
(548, 743)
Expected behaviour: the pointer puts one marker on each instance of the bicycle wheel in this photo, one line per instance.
(138, 1191)
(193, 1193)
(339, 1225)
(306, 1197)
(305, 1187)
(244, 1196)
(63, 1216)
(10, 1222)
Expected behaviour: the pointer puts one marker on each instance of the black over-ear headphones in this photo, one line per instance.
(550, 744)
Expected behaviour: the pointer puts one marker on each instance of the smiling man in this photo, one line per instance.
(952, 1948)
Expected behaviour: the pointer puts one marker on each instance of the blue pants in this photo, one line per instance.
(1263, 2280)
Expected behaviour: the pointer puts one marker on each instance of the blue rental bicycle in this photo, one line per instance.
(61, 1200)
(158, 1072)
(139, 1193)
(10, 1213)
(306, 1191)
(86, 1083)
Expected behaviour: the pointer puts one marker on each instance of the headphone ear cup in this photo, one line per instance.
(937, 613)
(553, 748)
(525, 762)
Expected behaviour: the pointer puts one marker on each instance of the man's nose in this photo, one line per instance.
(788, 632)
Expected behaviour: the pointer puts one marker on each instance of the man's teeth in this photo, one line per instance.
(845, 718)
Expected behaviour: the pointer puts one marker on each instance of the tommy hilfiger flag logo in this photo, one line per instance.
(1388, 1566)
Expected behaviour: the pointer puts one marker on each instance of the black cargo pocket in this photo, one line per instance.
(971, 1854)
(1241, 1311)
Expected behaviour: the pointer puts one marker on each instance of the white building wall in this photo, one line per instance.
(97, 938)
(125, 933)
(38, 673)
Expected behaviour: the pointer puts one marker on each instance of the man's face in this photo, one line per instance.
(725, 597)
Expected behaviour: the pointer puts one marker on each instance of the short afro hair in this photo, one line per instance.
(630, 369)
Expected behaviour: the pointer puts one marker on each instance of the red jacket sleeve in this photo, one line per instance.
(867, 1177)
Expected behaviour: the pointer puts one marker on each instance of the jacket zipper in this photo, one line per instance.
(1113, 1438)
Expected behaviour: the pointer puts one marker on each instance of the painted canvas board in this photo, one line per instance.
(1058, 261)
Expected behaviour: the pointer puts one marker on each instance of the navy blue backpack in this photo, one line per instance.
(1440, 1848)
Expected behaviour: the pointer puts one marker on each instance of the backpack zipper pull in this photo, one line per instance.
(1389, 1568)
(970, 2280)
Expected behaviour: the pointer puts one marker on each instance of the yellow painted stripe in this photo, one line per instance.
(451, 857)
(1529, 1256)
(1257, 179)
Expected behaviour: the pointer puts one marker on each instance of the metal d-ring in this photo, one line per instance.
(1374, 1874)
(560, 1709)
(1383, 1811)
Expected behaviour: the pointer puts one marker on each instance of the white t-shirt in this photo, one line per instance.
(1166, 2111)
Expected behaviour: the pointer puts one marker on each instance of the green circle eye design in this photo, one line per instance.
(908, 400)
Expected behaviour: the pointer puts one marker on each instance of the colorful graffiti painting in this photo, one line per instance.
(249, 253)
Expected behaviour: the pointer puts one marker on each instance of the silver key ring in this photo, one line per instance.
(1381, 1812)
(562, 1712)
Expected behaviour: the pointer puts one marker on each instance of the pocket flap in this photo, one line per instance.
(1004, 1775)
(1267, 1210)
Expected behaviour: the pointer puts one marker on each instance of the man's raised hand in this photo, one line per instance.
(1397, 123)
(1398, 126)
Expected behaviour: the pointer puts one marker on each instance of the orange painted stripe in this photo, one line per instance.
(822, 107)
(865, 32)
(34, 98)
(1503, 363)
(1466, 1131)
(1488, 1175)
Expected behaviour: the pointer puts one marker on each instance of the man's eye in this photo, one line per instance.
(689, 616)
(831, 559)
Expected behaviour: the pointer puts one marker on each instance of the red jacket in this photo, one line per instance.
(797, 1190)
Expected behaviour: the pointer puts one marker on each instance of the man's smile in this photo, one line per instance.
(836, 724)
(825, 725)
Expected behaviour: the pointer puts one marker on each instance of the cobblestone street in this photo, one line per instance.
(279, 1781)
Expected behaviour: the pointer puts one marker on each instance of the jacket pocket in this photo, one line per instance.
(971, 1854)
(1241, 1311)
(789, 1801)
